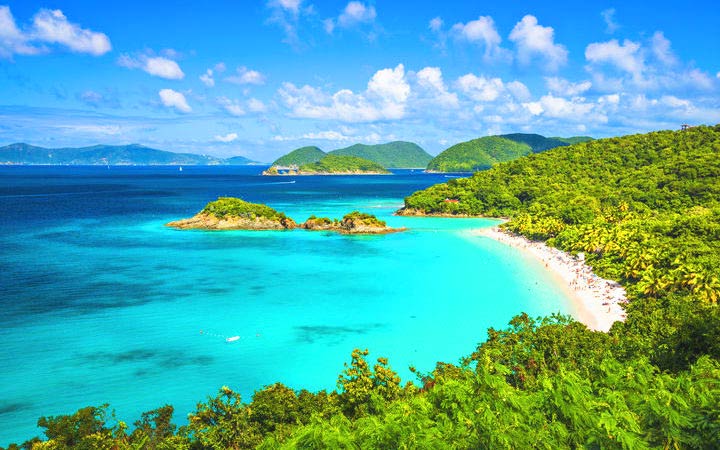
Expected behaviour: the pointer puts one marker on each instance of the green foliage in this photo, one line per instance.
(342, 164)
(539, 143)
(235, 207)
(574, 139)
(300, 156)
(357, 218)
(485, 152)
(389, 155)
(365, 391)
(478, 154)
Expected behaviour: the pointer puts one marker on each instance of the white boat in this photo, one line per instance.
(180, 169)
(232, 339)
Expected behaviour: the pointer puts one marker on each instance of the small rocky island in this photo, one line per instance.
(331, 165)
(353, 223)
(230, 213)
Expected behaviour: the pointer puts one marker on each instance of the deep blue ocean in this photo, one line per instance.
(101, 303)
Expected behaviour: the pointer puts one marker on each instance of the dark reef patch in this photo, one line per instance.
(315, 333)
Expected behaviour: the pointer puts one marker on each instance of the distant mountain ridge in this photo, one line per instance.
(133, 154)
(485, 152)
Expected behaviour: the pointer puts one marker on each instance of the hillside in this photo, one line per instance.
(342, 165)
(397, 154)
(133, 154)
(300, 156)
(483, 153)
(574, 139)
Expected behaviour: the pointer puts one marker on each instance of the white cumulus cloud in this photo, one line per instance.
(479, 88)
(608, 16)
(233, 107)
(226, 138)
(575, 109)
(564, 87)
(430, 79)
(481, 31)
(384, 99)
(626, 56)
(207, 78)
(255, 105)
(163, 68)
(356, 12)
(534, 40)
(244, 75)
(157, 66)
(174, 99)
(435, 24)
(661, 49)
(52, 26)
(48, 27)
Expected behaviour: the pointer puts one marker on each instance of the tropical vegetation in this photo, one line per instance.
(644, 209)
(483, 153)
(300, 156)
(338, 164)
(235, 207)
(397, 154)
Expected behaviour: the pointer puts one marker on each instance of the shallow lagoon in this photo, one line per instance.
(102, 303)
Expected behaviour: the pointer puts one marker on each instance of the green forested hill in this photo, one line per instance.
(390, 155)
(341, 164)
(483, 153)
(644, 209)
(478, 154)
(300, 156)
(574, 139)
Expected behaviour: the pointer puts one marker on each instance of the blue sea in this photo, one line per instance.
(101, 303)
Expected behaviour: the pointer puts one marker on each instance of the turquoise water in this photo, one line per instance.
(103, 304)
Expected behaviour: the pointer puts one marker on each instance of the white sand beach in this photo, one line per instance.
(597, 301)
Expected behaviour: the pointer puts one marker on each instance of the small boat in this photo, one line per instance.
(232, 339)
(180, 168)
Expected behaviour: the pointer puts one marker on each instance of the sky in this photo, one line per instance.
(260, 78)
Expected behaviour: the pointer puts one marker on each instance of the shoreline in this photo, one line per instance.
(597, 301)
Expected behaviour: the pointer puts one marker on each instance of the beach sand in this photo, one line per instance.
(597, 301)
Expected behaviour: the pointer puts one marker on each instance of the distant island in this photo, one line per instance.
(231, 213)
(331, 164)
(391, 155)
(485, 152)
(113, 155)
